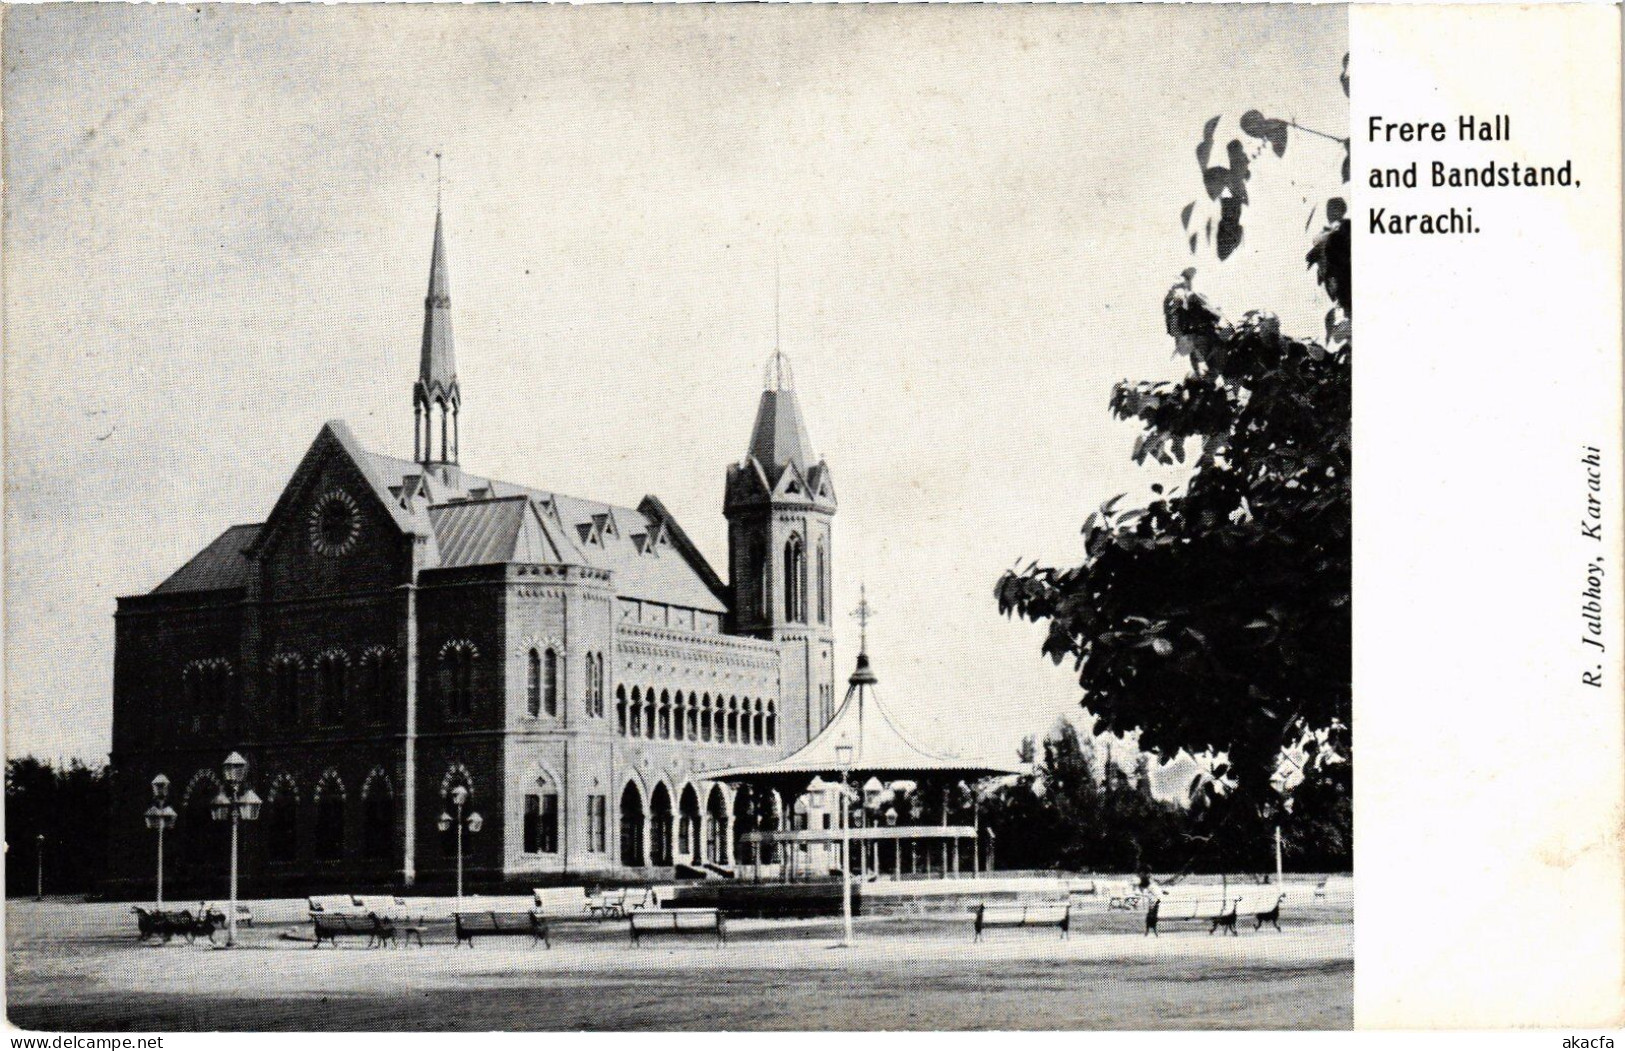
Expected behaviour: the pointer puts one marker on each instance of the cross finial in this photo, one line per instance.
(863, 614)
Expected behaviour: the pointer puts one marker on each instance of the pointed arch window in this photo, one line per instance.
(457, 679)
(550, 681)
(823, 584)
(795, 581)
(281, 820)
(376, 681)
(331, 669)
(620, 710)
(595, 685)
(377, 818)
(636, 728)
(285, 688)
(772, 724)
(330, 819)
(533, 684)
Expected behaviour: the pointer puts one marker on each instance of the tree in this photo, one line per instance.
(1076, 813)
(1216, 620)
(68, 805)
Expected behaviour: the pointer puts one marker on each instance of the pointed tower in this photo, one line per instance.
(780, 505)
(436, 388)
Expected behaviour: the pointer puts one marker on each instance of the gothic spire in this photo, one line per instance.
(436, 387)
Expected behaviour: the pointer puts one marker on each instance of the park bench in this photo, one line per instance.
(608, 903)
(562, 901)
(1047, 914)
(501, 924)
(330, 927)
(676, 921)
(1215, 907)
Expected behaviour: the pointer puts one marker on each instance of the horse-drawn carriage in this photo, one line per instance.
(166, 924)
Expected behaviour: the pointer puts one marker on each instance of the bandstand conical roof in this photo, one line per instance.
(879, 746)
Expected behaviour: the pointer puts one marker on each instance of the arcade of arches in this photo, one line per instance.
(697, 828)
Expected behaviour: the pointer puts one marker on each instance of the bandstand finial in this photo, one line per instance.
(863, 614)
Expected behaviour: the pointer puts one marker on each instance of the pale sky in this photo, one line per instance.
(217, 229)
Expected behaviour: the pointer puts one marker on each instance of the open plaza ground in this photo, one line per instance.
(79, 967)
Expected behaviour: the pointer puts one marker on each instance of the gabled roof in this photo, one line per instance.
(218, 567)
(502, 530)
(677, 575)
(879, 746)
(470, 520)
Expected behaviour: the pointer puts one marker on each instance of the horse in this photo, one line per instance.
(1272, 917)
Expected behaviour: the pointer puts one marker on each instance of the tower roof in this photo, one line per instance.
(437, 370)
(780, 436)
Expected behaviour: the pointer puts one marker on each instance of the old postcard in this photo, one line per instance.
(789, 518)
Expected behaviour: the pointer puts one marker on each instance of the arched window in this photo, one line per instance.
(665, 715)
(376, 680)
(593, 695)
(377, 817)
(620, 710)
(457, 679)
(650, 704)
(733, 720)
(772, 725)
(330, 818)
(599, 679)
(550, 682)
(631, 826)
(756, 729)
(795, 581)
(823, 584)
(533, 684)
(281, 819)
(705, 718)
(285, 687)
(693, 718)
(679, 703)
(330, 675)
(637, 713)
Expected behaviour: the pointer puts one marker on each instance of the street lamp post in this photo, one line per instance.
(843, 755)
(459, 799)
(160, 817)
(241, 805)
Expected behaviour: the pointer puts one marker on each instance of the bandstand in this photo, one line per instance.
(936, 837)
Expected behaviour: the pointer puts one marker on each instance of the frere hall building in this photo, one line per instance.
(398, 627)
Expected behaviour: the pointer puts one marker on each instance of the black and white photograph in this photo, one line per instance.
(679, 518)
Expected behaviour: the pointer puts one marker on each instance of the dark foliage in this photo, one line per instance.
(70, 806)
(1080, 813)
